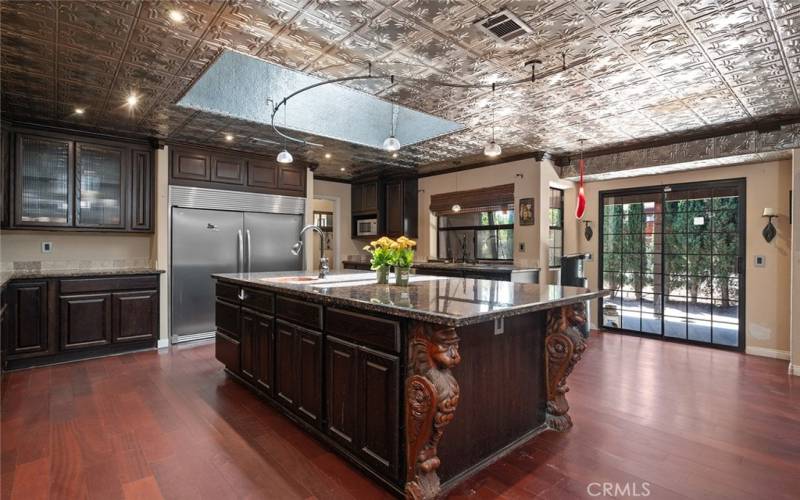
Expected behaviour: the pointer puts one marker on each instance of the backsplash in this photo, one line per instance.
(51, 265)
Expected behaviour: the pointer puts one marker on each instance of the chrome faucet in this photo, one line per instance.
(323, 261)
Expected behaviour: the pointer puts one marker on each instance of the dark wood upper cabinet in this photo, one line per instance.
(190, 165)
(80, 183)
(142, 182)
(262, 174)
(356, 199)
(135, 315)
(364, 197)
(27, 323)
(85, 320)
(100, 178)
(291, 178)
(44, 187)
(401, 208)
(394, 208)
(233, 170)
(369, 197)
(228, 169)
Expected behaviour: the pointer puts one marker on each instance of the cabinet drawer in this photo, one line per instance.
(227, 316)
(299, 312)
(227, 291)
(227, 352)
(258, 300)
(369, 330)
(82, 285)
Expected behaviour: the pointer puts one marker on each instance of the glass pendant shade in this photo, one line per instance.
(492, 149)
(456, 208)
(391, 143)
(285, 157)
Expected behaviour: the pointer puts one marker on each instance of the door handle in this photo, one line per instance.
(249, 254)
(242, 294)
(240, 252)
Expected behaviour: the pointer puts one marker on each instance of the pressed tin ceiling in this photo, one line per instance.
(650, 68)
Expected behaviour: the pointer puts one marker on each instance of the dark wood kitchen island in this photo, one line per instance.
(418, 386)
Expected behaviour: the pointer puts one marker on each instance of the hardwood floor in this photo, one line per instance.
(688, 421)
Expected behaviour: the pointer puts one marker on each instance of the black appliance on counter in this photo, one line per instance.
(572, 274)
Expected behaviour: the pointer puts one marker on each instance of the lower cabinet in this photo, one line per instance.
(85, 320)
(26, 334)
(362, 388)
(298, 375)
(257, 349)
(60, 319)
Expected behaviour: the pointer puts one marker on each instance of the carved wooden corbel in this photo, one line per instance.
(564, 346)
(431, 400)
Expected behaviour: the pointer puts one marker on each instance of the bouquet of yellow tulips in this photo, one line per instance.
(387, 252)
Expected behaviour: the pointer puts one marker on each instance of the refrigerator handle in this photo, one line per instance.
(240, 251)
(249, 254)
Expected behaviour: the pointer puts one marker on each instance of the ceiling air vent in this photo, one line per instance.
(503, 26)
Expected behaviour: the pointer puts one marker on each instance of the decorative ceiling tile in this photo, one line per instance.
(34, 19)
(348, 15)
(736, 18)
(197, 14)
(163, 39)
(149, 57)
(96, 18)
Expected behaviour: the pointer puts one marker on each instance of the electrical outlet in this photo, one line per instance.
(499, 326)
(47, 247)
(521, 246)
(760, 261)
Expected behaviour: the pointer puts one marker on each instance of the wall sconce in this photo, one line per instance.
(769, 231)
(587, 231)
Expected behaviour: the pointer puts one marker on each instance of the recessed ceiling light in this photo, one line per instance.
(342, 169)
(79, 111)
(132, 100)
(327, 156)
(394, 155)
(228, 137)
(176, 16)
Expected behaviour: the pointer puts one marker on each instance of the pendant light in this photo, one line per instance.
(580, 207)
(492, 149)
(391, 143)
(284, 156)
(456, 207)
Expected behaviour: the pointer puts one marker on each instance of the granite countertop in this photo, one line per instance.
(17, 274)
(435, 299)
(479, 266)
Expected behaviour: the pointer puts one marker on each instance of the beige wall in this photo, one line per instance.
(343, 242)
(27, 246)
(524, 174)
(767, 288)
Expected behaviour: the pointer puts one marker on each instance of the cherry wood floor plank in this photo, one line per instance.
(689, 421)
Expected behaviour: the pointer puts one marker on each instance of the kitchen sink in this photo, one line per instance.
(292, 279)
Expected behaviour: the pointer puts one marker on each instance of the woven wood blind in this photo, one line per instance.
(490, 197)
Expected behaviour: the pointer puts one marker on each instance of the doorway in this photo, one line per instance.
(672, 257)
(326, 217)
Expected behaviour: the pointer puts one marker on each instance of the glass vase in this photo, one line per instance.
(382, 275)
(401, 275)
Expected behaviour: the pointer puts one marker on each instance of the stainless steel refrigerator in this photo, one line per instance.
(209, 240)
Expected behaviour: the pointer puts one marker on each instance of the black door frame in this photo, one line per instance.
(741, 184)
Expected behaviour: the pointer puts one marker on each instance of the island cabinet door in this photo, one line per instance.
(341, 376)
(264, 353)
(378, 410)
(247, 350)
(309, 364)
(285, 365)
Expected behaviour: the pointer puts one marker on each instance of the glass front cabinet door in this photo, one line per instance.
(44, 181)
(99, 197)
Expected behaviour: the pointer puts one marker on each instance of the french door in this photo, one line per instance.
(673, 259)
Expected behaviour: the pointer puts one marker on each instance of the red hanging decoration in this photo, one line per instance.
(580, 208)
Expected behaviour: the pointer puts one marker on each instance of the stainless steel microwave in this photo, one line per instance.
(367, 227)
